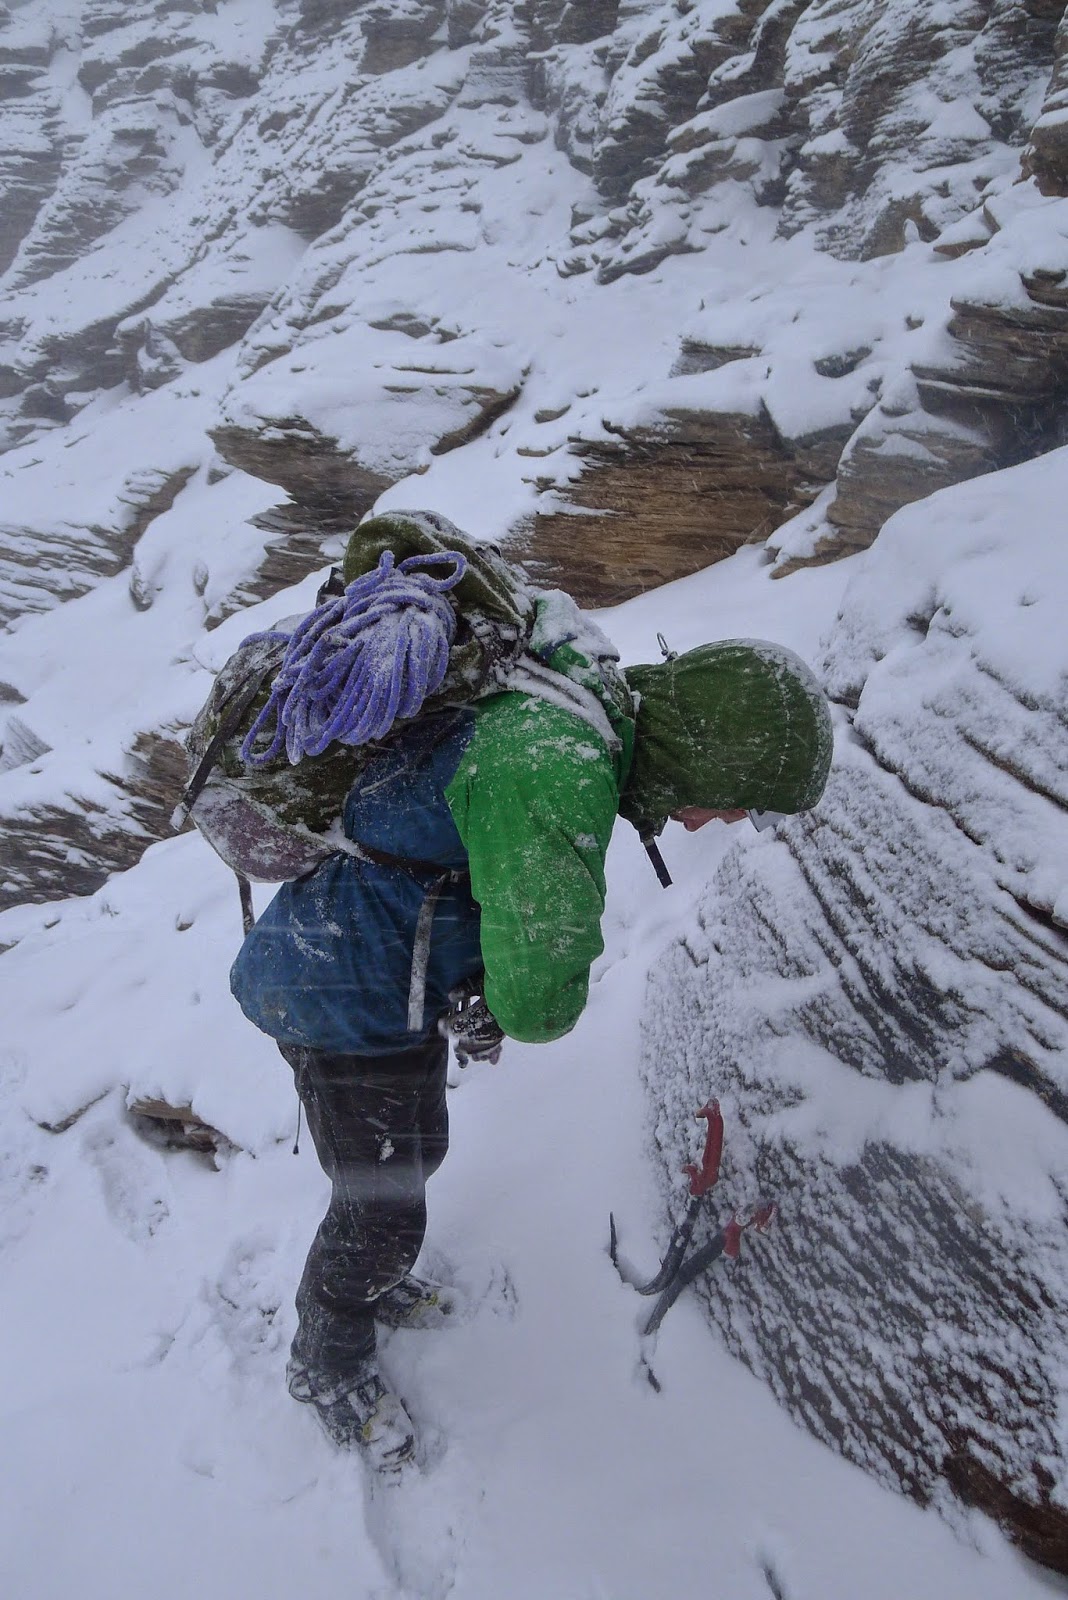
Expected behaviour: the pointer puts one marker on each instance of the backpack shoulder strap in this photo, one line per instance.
(530, 675)
(570, 663)
(236, 707)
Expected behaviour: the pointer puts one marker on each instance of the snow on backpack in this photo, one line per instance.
(295, 715)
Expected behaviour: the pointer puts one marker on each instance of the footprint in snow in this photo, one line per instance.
(236, 1320)
(131, 1186)
(25, 1157)
(482, 1286)
(245, 1299)
(22, 1180)
(419, 1520)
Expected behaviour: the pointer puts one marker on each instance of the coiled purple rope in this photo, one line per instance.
(360, 660)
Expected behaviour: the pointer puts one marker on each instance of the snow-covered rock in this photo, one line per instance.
(879, 996)
(346, 169)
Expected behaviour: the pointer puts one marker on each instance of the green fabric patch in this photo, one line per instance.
(534, 800)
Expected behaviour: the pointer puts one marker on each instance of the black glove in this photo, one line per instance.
(474, 1030)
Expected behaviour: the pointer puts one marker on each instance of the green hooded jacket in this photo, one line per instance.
(735, 724)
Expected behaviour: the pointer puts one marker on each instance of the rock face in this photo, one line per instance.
(424, 402)
(905, 1096)
(664, 500)
(39, 568)
(73, 847)
(1047, 151)
(818, 110)
(372, 134)
(31, 162)
(988, 392)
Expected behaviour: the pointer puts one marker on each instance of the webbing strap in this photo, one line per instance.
(411, 864)
(421, 954)
(248, 910)
(229, 725)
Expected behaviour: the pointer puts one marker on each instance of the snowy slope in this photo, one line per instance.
(631, 286)
(148, 1437)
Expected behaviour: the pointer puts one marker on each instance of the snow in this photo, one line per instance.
(941, 621)
(161, 1320)
(149, 1444)
(368, 391)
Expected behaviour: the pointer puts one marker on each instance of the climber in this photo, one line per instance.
(467, 886)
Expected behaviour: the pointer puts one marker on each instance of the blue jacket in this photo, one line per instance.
(328, 964)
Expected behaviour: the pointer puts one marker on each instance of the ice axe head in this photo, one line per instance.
(706, 1176)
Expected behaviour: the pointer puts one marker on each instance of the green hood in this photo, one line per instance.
(737, 724)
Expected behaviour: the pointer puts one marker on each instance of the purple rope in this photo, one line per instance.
(359, 661)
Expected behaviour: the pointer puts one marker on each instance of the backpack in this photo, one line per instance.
(402, 643)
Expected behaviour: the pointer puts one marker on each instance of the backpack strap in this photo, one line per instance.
(425, 922)
(409, 864)
(248, 910)
(231, 721)
(421, 955)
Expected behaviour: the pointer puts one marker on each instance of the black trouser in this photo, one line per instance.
(381, 1127)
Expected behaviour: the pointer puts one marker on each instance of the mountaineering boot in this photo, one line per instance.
(360, 1413)
(418, 1303)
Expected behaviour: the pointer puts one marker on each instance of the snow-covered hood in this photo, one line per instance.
(738, 723)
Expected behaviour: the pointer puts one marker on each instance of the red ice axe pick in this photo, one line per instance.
(706, 1176)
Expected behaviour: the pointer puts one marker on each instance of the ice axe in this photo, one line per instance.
(676, 1271)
